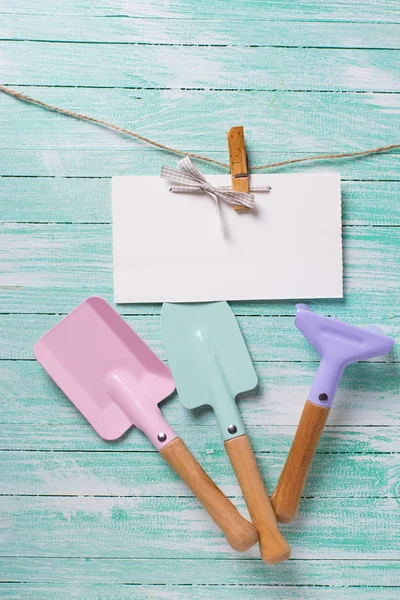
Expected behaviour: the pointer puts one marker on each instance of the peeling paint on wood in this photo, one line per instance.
(198, 67)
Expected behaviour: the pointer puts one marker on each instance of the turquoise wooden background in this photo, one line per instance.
(84, 519)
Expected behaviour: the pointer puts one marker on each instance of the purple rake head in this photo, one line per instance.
(338, 344)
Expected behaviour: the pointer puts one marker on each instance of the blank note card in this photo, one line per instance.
(169, 247)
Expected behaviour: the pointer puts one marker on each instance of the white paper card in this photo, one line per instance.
(168, 247)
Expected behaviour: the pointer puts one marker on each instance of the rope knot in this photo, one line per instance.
(190, 179)
(208, 188)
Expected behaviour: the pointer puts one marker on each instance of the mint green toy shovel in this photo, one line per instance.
(211, 365)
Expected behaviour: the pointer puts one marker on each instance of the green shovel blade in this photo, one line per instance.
(209, 359)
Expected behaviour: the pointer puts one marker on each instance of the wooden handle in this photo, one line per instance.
(273, 546)
(240, 534)
(286, 497)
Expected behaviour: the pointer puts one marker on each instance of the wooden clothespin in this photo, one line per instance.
(238, 162)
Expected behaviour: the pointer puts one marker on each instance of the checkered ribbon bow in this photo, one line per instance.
(190, 179)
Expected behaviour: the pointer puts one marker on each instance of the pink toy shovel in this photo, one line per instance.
(338, 344)
(116, 381)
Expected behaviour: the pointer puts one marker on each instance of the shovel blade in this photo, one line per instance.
(84, 350)
(206, 352)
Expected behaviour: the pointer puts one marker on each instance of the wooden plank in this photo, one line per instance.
(368, 395)
(177, 67)
(125, 30)
(135, 160)
(330, 122)
(168, 571)
(128, 474)
(268, 338)
(71, 200)
(51, 268)
(84, 200)
(313, 10)
(203, 439)
(123, 592)
(151, 527)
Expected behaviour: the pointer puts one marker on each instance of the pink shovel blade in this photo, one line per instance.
(90, 347)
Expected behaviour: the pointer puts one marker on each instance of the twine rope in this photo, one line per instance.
(142, 138)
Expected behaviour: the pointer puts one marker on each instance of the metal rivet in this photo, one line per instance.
(162, 436)
(232, 429)
(323, 397)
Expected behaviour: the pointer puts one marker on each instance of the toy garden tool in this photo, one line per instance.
(211, 365)
(339, 344)
(116, 381)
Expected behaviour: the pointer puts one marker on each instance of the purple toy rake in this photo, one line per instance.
(339, 344)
